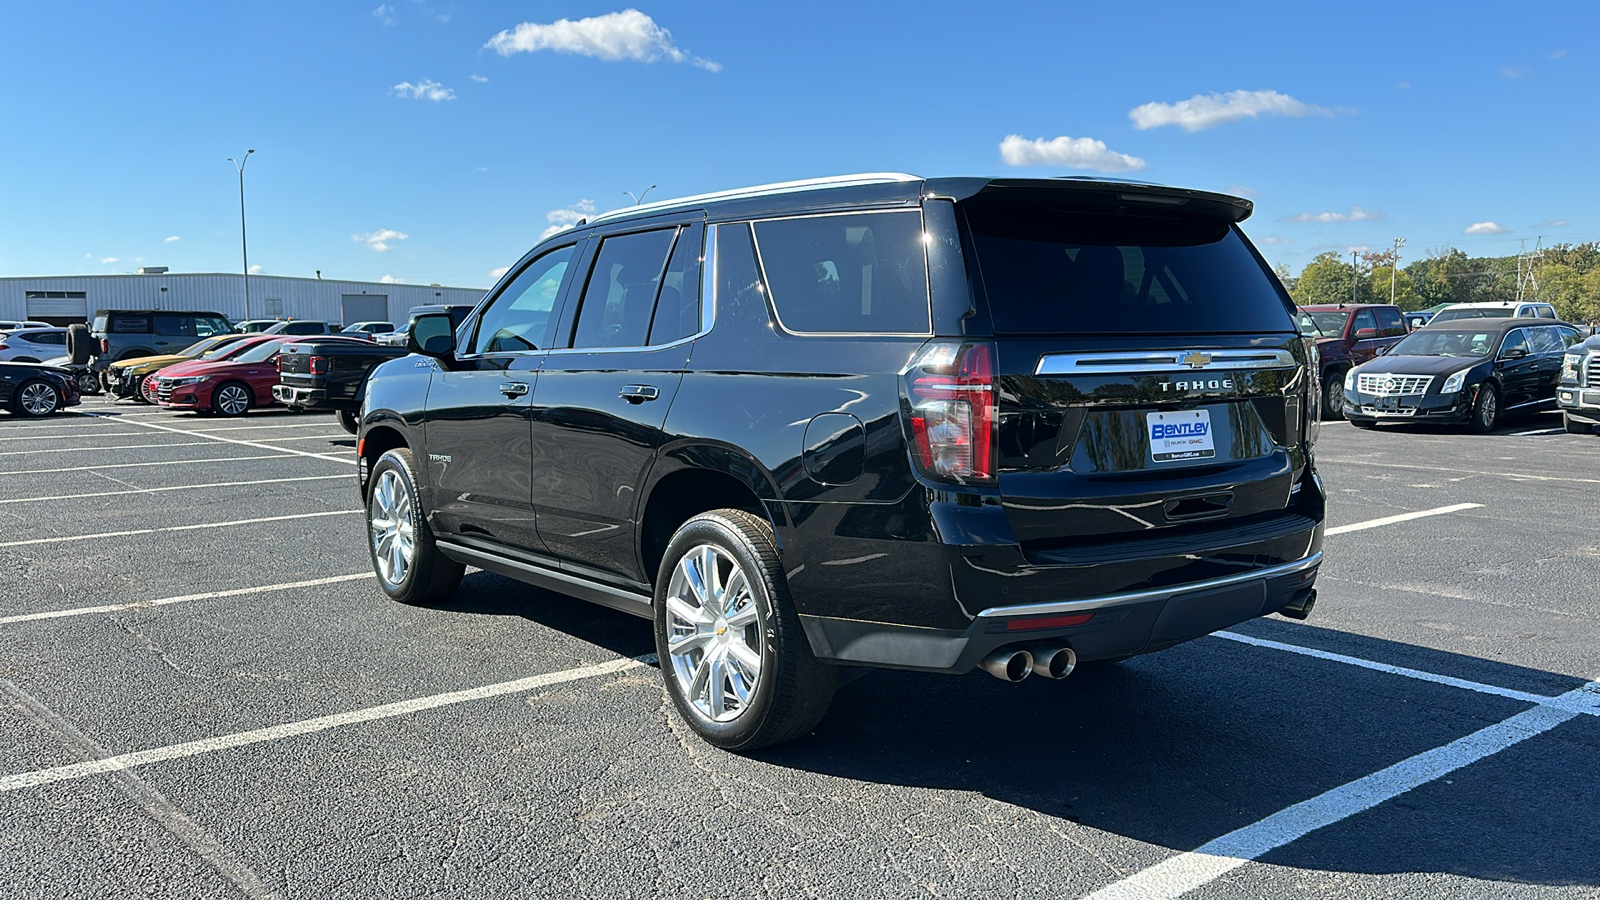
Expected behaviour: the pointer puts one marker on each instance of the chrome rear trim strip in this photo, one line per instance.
(1166, 593)
(1158, 361)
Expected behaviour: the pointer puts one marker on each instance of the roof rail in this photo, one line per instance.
(760, 190)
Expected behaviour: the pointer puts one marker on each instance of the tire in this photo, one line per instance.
(1485, 410)
(146, 391)
(80, 344)
(1333, 396)
(792, 688)
(347, 420)
(394, 518)
(232, 399)
(1574, 426)
(88, 382)
(35, 399)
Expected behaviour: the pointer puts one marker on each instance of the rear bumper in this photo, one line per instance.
(1104, 627)
(311, 398)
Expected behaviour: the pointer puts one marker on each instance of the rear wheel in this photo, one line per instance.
(1485, 410)
(347, 420)
(405, 557)
(734, 658)
(1333, 396)
(88, 383)
(35, 399)
(1575, 426)
(232, 399)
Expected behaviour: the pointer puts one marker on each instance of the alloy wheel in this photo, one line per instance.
(232, 400)
(714, 635)
(39, 399)
(393, 538)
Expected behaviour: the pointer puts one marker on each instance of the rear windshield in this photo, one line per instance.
(1491, 312)
(1064, 271)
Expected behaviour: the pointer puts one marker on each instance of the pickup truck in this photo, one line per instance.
(1347, 335)
(329, 374)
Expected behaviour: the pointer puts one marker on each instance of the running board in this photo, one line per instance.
(551, 580)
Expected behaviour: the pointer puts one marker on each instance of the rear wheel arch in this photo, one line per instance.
(680, 494)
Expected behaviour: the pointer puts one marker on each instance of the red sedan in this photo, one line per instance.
(230, 387)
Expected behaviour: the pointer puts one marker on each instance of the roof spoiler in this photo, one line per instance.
(1098, 192)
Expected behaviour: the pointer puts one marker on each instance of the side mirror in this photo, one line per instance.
(1364, 333)
(432, 335)
(1514, 353)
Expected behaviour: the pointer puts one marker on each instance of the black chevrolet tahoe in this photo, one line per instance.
(924, 424)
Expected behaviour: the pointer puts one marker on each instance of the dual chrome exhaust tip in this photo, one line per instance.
(1055, 661)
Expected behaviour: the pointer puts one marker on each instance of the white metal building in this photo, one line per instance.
(74, 298)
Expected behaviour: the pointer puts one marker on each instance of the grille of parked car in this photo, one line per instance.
(1591, 370)
(1393, 385)
(164, 389)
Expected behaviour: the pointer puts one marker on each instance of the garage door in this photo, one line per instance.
(73, 305)
(364, 308)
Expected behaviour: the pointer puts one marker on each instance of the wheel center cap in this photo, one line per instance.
(722, 628)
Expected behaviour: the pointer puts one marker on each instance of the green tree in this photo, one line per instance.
(1327, 279)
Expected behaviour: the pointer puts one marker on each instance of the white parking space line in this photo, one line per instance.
(270, 425)
(312, 726)
(1403, 517)
(286, 454)
(112, 534)
(1590, 705)
(1455, 471)
(85, 449)
(130, 491)
(57, 437)
(350, 459)
(1538, 431)
(1205, 864)
(186, 598)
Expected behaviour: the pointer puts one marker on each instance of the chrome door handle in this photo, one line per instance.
(639, 393)
(514, 389)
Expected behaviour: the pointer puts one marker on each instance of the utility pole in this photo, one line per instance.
(244, 243)
(1394, 266)
(1355, 276)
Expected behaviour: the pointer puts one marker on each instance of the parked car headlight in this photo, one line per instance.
(1570, 364)
(1452, 385)
(177, 382)
(1350, 380)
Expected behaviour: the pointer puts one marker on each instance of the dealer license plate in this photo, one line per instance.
(1180, 435)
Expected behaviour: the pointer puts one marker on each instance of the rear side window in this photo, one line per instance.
(860, 273)
(305, 328)
(1545, 340)
(1067, 271)
(1390, 324)
(130, 324)
(678, 308)
(621, 295)
(174, 326)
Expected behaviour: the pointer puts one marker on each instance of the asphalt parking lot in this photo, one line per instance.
(202, 694)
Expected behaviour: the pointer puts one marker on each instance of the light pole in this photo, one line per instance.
(640, 199)
(1394, 266)
(244, 243)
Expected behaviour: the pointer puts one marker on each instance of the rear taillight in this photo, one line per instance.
(4, 347)
(105, 345)
(950, 394)
(1312, 402)
(319, 365)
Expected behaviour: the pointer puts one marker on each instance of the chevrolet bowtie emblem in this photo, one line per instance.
(1194, 359)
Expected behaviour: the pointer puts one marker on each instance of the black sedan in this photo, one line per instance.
(1472, 371)
(34, 390)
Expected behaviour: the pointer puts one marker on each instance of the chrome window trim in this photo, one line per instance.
(1166, 593)
(772, 304)
(1159, 361)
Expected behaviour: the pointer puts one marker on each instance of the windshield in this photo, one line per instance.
(1328, 323)
(1446, 343)
(1492, 312)
(259, 352)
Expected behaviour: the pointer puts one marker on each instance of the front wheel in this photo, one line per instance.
(36, 399)
(347, 420)
(1333, 396)
(232, 399)
(1485, 410)
(405, 557)
(734, 658)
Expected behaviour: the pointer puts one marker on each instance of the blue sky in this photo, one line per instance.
(410, 140)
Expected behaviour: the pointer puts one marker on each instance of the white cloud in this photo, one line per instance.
(1486, 228)
(384, 14)
(1552, 223)
(562, 219)
(1402, 85)
(1204, 111)
(108, 260)
(443, 17)
(1356, 214)
(479, 79)
(390, 279)
(379, 240)
(171, 240)
(255, 270)
(1076, 153)
(426, 89)
(1242, 191)
(1275, 241)
(629, 34)
(1509, 72)
(1558, 54)
(499, 273)
(1358, 248)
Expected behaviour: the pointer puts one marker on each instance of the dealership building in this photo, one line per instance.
(66, 299)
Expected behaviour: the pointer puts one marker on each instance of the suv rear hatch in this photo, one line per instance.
(1149, 372)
